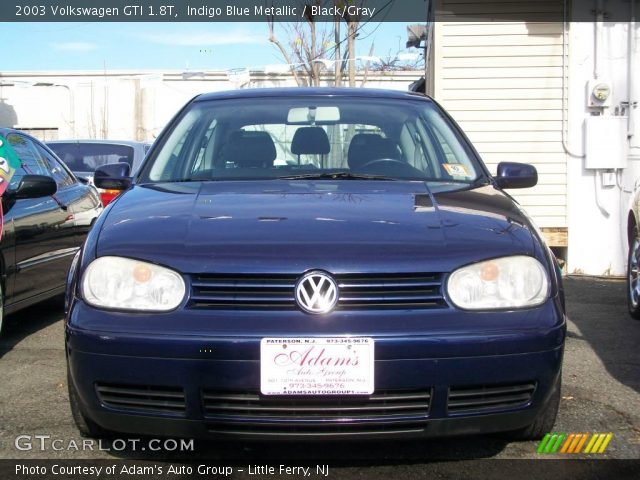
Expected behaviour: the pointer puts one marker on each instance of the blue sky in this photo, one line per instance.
(167, 46)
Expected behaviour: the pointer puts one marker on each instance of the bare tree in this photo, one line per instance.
(399, 61)
(312, 44)
(352, 22)
(307, 44)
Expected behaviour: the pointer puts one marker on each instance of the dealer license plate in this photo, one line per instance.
(317, 366)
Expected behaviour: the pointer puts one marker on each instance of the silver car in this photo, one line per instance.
(84, 156)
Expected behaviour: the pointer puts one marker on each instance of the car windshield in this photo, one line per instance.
(314, 137)
(86, 157)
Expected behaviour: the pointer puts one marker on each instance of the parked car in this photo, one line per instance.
(47, 215)
(633, 258)
(84, 156)
(378, 282)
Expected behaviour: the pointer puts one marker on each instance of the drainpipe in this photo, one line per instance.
(597, 27)
(630, 70)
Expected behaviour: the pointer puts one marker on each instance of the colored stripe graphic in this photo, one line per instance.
(561, 437)
(590, 444)
(543, 443)
(584, 439)
(565, 447)
(573, 443)
(550, 443)
(606, 441)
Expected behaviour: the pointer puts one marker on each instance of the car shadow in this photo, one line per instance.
(598, 308)
(24, 323)
(336, 453)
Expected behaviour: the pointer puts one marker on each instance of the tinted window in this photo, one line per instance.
(86, 157)
(32, 162)
(58, 172)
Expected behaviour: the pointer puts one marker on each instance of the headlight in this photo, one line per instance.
(508, 282)
(122, 283)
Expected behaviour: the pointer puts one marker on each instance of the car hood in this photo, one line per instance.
(292, 226)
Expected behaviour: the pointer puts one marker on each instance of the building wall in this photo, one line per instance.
(502, 82)
(125, 104)
(599, 199)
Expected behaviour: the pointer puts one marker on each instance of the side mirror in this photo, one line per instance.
(516, 175)
(114, 176)
(34, 186)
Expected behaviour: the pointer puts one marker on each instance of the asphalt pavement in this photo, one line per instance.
(600, 393)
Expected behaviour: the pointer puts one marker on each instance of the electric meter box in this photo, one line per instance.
(606, 144)
(599, 93)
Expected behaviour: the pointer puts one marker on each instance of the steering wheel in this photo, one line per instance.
(382, 160)
(389, 167)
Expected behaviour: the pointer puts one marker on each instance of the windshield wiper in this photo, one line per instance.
(336, 176)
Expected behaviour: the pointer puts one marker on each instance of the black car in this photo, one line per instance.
(47, 214)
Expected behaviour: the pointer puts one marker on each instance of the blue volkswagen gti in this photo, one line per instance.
(314, 263)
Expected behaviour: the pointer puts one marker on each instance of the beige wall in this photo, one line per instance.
(502, 82)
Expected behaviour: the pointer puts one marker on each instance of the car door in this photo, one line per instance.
(42, 228)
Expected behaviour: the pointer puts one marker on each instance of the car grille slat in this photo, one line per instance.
(397, 284)
(231, 412)
(142, 398)
(105, 390)
(489, 398)
(322, 410)
(242, 285)
(357, 291)
(389, 298)
(241, 298)
(345, 429)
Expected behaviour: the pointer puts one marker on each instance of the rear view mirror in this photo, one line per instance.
(312, 115)
(114, 176)
(34, 186)
(516, 175)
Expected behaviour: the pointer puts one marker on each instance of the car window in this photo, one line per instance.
(284, 137)
(86, 157)
(204, 154)
(58, 172)
(32, 162)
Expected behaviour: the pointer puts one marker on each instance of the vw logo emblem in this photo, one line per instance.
(317, 292)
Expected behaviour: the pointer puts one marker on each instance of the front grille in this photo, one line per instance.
(357, 291)
(383, 412)
(489, 398)
(142, 398)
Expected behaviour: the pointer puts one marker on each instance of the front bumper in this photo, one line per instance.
(207, 386)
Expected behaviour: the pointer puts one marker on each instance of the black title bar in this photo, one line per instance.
(412, 11)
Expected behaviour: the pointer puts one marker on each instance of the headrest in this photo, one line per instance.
(365, 147)
(310, 141)
(248, 149)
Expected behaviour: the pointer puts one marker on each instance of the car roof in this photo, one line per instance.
(311, 92)
(6, 130)
(129, 143)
